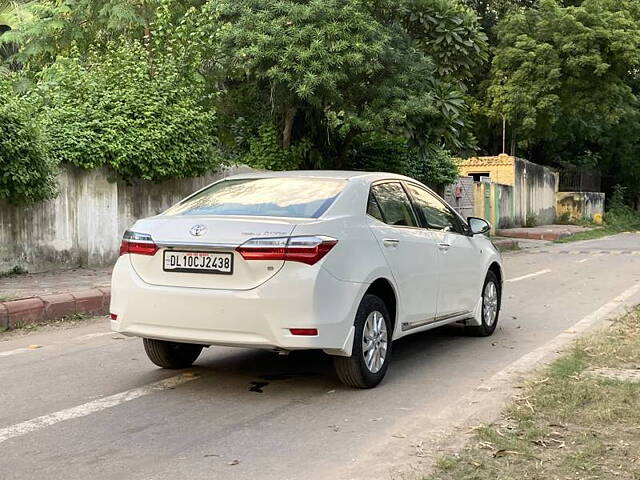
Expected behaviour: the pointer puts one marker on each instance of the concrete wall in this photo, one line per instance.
(495, 203)
(83, 225)
(580, 205)
(535, 190)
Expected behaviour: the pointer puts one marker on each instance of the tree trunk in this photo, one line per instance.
(289, 116)
(344, 148)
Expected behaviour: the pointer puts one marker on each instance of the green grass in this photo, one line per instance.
(597, 232)
(619, 219)
(565, 424)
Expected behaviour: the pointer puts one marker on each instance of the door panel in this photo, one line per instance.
(459, 267)
(458, 262)
(410, 251)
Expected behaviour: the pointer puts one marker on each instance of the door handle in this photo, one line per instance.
(444, 246)
(390, 242)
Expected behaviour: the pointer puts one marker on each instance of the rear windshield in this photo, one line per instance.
(269, 197)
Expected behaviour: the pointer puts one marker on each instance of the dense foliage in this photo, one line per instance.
(325, 72)
(26, 173)
(565, 79)
(166, 88)
(108, 110)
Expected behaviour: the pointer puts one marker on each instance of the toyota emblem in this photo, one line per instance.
(198, 230)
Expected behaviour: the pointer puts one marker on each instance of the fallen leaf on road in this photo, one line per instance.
(399, 435)
(502, 453)
(211, 455)
(33, 347)
(234, 462)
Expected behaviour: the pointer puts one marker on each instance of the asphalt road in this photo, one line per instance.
(80, 402)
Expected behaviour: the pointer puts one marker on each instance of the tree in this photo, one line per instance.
(566, 79)
(325, 72)
(26, 173)
(53, 27)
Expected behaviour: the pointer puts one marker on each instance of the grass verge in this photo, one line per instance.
(567, 423)
(597, 232)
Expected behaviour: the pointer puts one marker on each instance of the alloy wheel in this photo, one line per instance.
(374, 341)
(490, 304)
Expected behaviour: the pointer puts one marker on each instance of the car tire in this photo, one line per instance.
(369, 360)
(171, 355)
(491, 302)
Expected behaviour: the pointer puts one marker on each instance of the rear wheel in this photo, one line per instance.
(368, 363)
(172, 355)
(491, 299)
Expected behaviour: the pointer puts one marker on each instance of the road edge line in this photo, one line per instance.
(94, 406)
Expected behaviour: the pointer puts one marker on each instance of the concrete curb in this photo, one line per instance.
(24, 311)
(535, 234)
(504, 244)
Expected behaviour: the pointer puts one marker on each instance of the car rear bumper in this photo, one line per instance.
(299, 296)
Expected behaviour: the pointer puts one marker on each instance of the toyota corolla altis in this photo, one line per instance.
(344, 262)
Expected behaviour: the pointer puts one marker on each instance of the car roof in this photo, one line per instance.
(337, 174)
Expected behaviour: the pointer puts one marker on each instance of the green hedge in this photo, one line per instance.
(27, 174)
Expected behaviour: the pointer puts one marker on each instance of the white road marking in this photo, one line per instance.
(14, 352)
(485, 403)
(93, 335)
(591, 257)
(92, 407)
(530, 275)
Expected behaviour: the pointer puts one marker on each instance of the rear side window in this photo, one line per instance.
(434, 213)
(271, 197)
(393, 205)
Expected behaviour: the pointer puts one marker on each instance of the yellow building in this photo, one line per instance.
(518, 192)
(500, 169)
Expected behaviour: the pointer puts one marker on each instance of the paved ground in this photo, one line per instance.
(88, 404)
(26, 285)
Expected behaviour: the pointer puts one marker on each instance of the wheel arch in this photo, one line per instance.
(497, 270)
(384, 289)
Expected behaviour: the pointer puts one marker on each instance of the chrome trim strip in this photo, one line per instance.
(198, 246)
(421, 323)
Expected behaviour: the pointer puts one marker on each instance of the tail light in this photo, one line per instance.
(138, 244)
(307, 250)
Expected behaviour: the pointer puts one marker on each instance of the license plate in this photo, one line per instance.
(198, 262)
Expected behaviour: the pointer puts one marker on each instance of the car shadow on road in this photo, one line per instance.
(257, 371)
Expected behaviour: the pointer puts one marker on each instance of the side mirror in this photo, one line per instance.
(478, 225)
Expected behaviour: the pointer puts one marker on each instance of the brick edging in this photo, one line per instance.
(43, 308)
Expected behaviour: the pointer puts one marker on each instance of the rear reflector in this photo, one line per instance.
(113, 316)
(304, 331)
(138, 244)
(307, 250)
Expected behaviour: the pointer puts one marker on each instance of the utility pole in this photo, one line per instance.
(504, 134)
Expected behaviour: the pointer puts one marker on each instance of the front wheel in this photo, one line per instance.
(491, 300)
(171, 355)
(369, 360)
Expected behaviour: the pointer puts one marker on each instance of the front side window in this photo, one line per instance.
(269, 197)
(433, 212)
(394, 205)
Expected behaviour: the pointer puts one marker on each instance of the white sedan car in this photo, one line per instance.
(344, 262)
